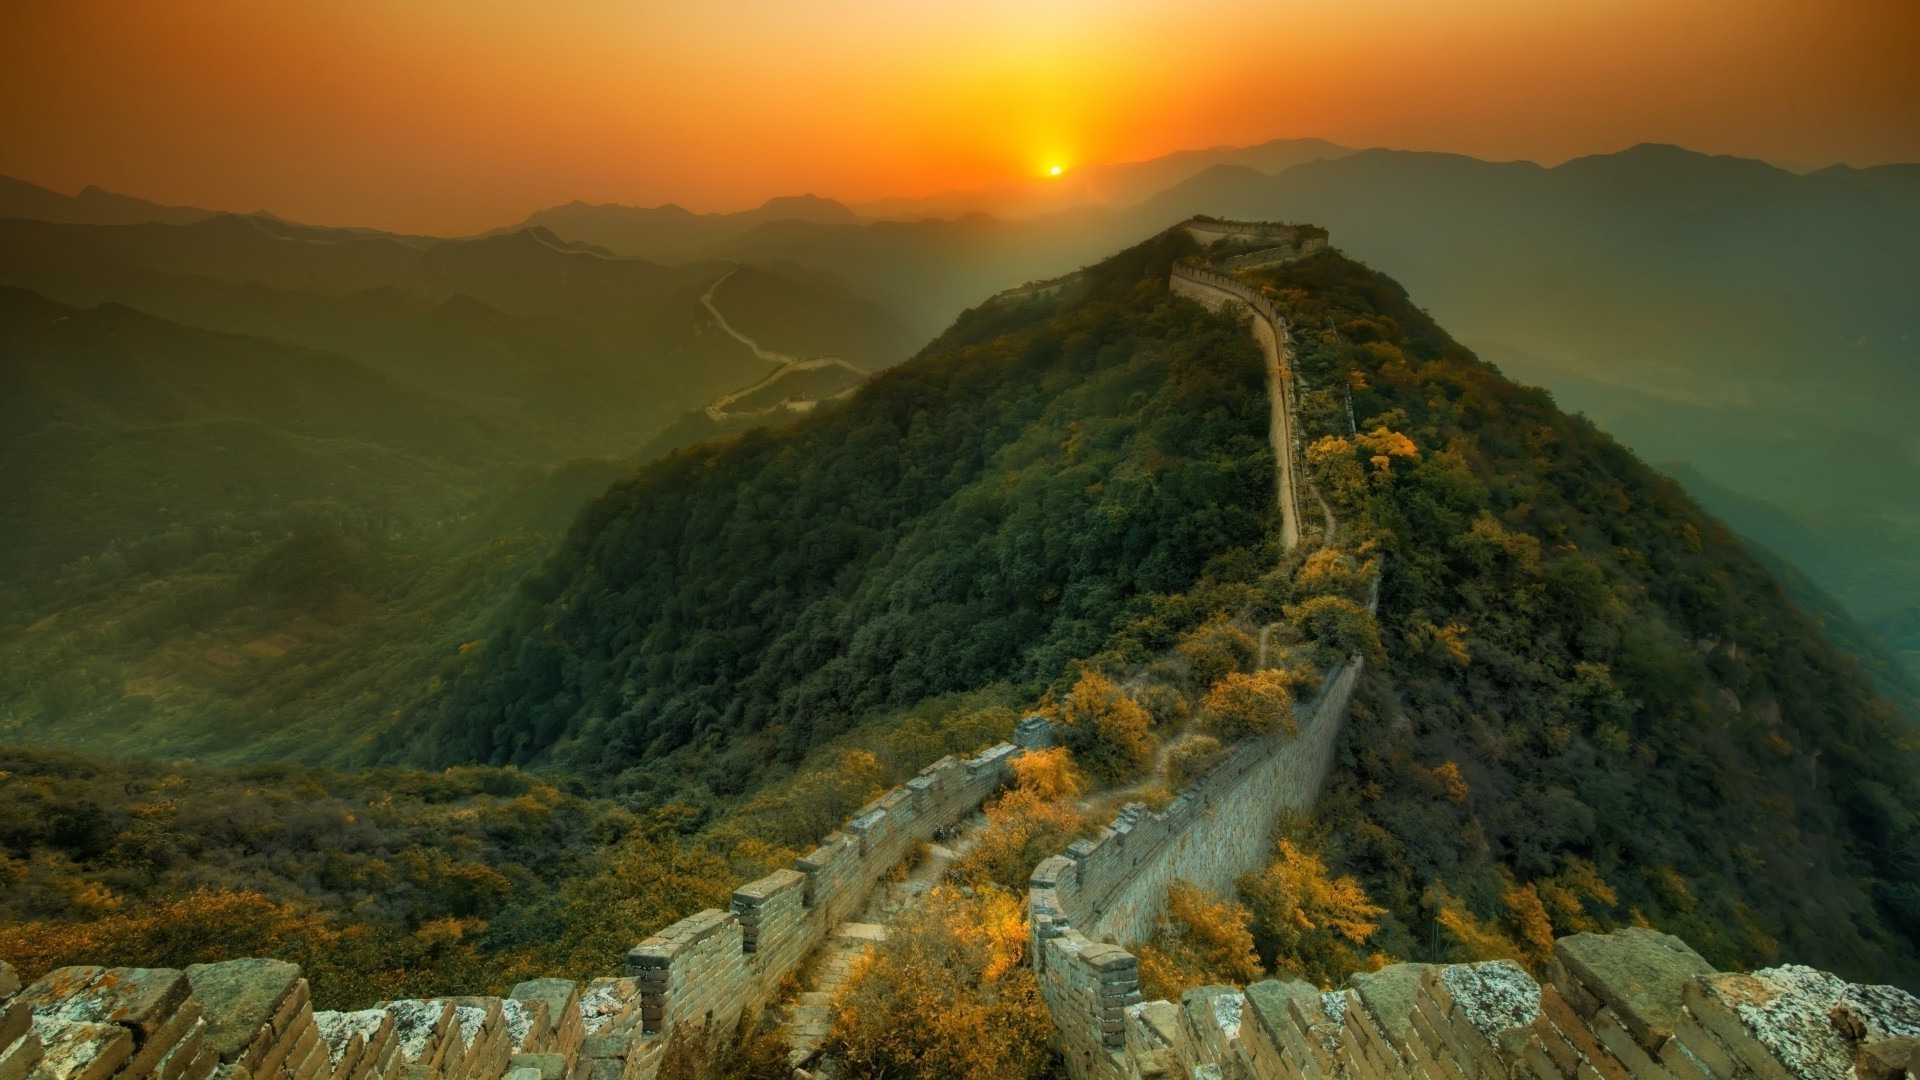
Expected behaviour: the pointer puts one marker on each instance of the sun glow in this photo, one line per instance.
(1055, 171)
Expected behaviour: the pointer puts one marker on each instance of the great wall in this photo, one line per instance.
(1630, 1005)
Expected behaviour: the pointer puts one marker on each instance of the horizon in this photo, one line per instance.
(866, 206)
(452, 119)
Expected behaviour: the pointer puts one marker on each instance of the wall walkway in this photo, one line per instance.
(1218, 292)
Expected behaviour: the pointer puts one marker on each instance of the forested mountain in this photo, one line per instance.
(985, 513)
(1585, 682)
(116, 420)
(1756, 325)
(93, 206)
(670, 231)
(263, 479)
(596, 351)
(1587, 704)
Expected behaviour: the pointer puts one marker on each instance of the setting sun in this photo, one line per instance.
(1055, 171)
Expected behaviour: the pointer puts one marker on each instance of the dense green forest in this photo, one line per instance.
(1585, 672)
(1588, 705)
(987, 512)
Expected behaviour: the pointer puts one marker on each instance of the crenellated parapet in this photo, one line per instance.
(1255, 243)
(251, 1019)
(1630, 1005)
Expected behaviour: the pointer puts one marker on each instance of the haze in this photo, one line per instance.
(450, 116)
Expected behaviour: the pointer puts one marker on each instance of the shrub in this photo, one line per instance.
(947, 994)
(1240, 705)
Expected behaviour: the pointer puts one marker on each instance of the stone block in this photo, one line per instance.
(1388, 995)
(545, 1066)
(1636, 973)
(239, 998)
(19, 1056)
(1565, 1023)
(1494, 1004)
(80, 1050)
(1034, 733)
(562, 1000)
(9, 980)
(419, 1030)
(528, 1028)
(1793, 1021)
(16, 1018)
(608, 1004)
(150, 1049)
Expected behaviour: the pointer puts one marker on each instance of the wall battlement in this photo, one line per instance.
(251, 1019)
(1272, 242)
(1630, 1005)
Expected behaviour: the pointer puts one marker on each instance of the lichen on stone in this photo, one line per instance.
(1494, 996)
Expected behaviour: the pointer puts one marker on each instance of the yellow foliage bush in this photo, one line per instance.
(1049, 774)
(1240, 705)
(1109, 733)
(1200, 940)
(1215, 648)
(947, 994)
(1022, 828)
(1312, 922)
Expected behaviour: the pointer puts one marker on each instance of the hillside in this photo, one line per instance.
(1755, 324)
(594, 351)
(119, 423)
(985, 513)
(1595, 677)
(1586, 705)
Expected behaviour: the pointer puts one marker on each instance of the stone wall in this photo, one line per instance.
(1108, 892)
(1631, 1005)
(251, 1019)
(1220, 292)
(1271, 242)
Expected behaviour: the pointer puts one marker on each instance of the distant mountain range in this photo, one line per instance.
(91, 207)
(1759, 326)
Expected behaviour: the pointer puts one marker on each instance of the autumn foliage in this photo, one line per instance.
(1309, 921)
(1240, 705)
(947, 994)
(1032, 820)
(1110, 733)
(1201, 940)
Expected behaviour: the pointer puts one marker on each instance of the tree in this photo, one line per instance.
(1200, 940)
(947, 994)
(1108, 731)
(1309, 921)
(1240, 705)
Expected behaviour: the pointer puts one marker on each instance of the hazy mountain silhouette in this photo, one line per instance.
(92, 206)
(600, 351)
(671, 230)
(1110, 185)
(119, 423)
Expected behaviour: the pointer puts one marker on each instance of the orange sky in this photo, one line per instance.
(451, 116)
